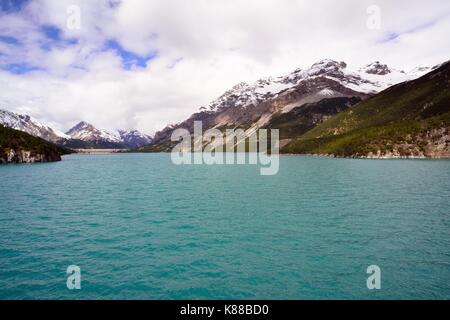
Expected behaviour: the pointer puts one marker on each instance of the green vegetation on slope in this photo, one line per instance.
(302, 119)
(398, 115)
(18, 140)
(291, 124)
(361, 142)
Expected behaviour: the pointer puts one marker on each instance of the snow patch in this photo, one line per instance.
(326, 92)
(273, 88)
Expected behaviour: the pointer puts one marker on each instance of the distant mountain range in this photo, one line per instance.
(294, 103)
(82, 135)
(374, 111)
(85, 134)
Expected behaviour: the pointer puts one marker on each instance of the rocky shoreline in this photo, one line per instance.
(24, 156)
(383, 157)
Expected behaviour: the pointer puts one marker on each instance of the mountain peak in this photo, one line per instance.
(376, 68)
(82, 125)
(330, 63)
(31, 126)
(326, 66)
(134, 138)
(87, 132)
(370, 79)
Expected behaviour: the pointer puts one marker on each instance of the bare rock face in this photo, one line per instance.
(377, 68)
(434, 144)
(24, 156)
(11, 156)
(437, 143)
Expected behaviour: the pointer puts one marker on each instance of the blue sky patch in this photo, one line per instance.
(19, 68)
(129, 59)
(54, 38)
(12, 5)
(9, 40)
(51, 32)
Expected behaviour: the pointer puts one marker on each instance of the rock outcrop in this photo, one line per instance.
(20, 147)
(24, 156)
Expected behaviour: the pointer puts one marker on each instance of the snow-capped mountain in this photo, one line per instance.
(253, 105)
(84, 131)
(376, 68)
(31, 126)
(82, 135)
(369, 79)
(134, 138)
(87, 132)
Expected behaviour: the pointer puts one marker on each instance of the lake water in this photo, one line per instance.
(140, 227)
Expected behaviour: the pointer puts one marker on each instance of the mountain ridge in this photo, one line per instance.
(251, 106)
(410, 119)
(82, 135)
(31, 126)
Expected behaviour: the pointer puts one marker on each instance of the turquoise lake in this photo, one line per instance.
(140, 227)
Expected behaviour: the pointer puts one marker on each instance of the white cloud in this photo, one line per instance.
(204, 47)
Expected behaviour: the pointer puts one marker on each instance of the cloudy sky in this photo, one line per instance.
(147, 63)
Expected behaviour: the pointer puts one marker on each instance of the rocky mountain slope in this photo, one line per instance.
(20, 147)
(134, 138)
(87, 134)
(303, 118)
(257, 105)
(31, 126)
(411, 119)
